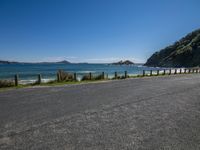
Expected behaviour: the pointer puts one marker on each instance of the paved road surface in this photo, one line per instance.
(148, 113)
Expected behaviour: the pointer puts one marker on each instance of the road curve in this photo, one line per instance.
(144, 113)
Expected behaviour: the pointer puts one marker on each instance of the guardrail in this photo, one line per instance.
(170, 72)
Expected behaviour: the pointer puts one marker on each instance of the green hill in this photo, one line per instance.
(184, 53)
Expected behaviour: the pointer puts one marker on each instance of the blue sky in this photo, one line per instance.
(92, 30)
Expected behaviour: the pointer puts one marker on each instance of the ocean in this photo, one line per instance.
(28, 72)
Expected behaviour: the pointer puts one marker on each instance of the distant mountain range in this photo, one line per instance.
(127, 62)
(184, 53)
(13, 62)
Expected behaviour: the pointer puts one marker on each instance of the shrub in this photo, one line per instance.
(120, 77)
(64, 76)
(6, 83)
(99, 77)
(85, 77)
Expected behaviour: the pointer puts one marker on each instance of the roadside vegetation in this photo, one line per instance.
(6, 83)
(64, 78)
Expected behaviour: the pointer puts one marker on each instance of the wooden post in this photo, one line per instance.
(196, 70)
(175, 71)
(75, 77)
(158, 72)
(170, 71)
(58, 76)
(90, 76)
(16, 79)
(143, 73)
(115, 75)
(189, 71)
(150, 72)
(103, 75)
(125, 74)
(164, 71)
(180, 71)
(39, 79)
(185, 70)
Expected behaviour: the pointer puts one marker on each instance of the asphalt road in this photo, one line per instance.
(147, 113)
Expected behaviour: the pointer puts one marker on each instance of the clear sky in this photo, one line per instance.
(92, 30)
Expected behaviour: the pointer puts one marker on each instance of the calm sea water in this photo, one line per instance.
(29, 72)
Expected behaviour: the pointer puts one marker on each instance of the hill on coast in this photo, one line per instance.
(183, 53)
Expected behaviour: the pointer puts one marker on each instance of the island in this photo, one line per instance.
(63, 62)
(126, 62)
